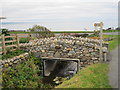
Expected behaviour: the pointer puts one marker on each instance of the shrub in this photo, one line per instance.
(40, 31)
(5, 32)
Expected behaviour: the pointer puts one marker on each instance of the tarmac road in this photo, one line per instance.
(113, 68)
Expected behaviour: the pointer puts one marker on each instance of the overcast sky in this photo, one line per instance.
(61, 14)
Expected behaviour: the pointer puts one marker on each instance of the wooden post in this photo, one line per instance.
(3, 44)
(101, 35)
(17, 39)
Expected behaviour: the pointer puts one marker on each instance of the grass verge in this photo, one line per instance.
(94, 76)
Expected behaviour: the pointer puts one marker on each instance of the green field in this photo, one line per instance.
(19, 32)
(22, 32)
(93, 76)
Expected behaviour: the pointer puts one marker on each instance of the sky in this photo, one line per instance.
(60, 14)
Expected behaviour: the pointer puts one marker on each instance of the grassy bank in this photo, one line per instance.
(94, 76)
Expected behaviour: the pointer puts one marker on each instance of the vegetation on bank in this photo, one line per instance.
(93, 76)
(24, 75)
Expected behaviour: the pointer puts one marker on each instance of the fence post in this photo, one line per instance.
(101, 35)
(3, 44)
(17, 39)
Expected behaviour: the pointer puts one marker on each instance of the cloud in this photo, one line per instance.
(59, 1)
(61, 12)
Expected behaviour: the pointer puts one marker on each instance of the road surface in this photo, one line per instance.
(113, 68)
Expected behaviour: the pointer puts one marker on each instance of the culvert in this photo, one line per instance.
(61, 67)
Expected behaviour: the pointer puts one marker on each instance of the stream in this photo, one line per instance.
(62, 69)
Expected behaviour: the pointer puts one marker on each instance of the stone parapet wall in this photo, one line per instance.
(87, 50)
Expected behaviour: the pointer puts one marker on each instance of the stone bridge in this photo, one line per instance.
(55, 50)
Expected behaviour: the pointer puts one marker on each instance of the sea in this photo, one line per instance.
(26, 26)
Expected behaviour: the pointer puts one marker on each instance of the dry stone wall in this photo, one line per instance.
(13, 61)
